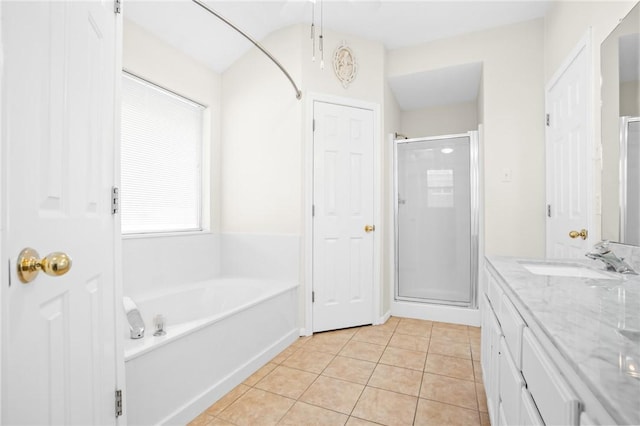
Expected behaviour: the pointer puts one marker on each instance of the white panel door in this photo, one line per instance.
(568, 159)
(58, 89)
(343, 203)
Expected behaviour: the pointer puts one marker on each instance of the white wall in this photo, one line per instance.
(158, 262)
(629, 95)
(262, 134)
(512, 111)
(441, 120)
(565, 24)
(265, 132)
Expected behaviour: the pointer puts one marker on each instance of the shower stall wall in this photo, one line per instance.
(436, 221)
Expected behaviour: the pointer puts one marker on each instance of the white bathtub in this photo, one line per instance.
(218, 333)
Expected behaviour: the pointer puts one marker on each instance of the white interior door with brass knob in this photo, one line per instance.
(58, 110)
(569, 157)
(343, 228)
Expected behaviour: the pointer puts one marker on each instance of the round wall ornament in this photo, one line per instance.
(344, 64)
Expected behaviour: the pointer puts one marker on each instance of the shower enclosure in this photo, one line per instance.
(436, 220)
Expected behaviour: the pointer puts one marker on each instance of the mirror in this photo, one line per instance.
(620, 67)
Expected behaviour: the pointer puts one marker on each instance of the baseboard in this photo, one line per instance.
(441, 313)
(190, 410)
(383, 318)
(305, 332)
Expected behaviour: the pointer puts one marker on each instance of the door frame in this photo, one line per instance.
(5, 268)
(307, 240)
(4, 273)
(585, 44)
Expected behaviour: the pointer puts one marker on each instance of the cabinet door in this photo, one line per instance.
(485, 336)
(502, 420)
(511, 384)
(529, 415)
(493, 396)
(512, 326)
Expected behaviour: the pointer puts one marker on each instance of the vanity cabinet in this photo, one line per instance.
(523, 384)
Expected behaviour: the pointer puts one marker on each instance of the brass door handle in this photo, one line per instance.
(369, 228)
(29, 264)
(582, 234)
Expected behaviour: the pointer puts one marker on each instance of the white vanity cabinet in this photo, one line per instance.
(523, 385)
(552, 349)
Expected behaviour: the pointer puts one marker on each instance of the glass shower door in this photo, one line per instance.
(434, 220)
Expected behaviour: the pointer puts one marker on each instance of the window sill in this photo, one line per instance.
(167, 234)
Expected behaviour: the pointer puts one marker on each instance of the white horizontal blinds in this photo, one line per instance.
(161, 159)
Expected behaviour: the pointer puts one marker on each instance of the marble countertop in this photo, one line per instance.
(583, 317)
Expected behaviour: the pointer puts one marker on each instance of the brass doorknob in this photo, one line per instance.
(369, 228)
(582, 234)
(29, 264)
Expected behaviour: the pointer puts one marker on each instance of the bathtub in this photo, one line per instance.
(218, 333)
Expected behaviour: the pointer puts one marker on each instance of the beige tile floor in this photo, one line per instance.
(404, 372)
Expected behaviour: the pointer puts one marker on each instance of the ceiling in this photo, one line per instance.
(394, 23)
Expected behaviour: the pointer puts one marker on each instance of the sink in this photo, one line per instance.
(566, 270)
(630, 334)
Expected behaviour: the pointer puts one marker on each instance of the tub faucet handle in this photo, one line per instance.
(136, 324)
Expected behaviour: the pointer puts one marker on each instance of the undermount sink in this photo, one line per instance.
(630, 334)
(566, 270)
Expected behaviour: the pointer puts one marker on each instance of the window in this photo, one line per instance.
(161, 160)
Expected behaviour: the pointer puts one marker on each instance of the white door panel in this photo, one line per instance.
(343, 200)
(568, 159)
(58, 100)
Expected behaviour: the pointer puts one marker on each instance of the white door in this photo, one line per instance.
(58, 90)
(343, 206)
(569, 158)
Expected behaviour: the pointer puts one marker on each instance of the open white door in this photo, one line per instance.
(58, 90)
(343, 246)
(569, 157)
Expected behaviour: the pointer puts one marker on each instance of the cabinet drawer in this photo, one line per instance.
(512, 326)
(494, 293)
(529, 415)
(511, 384)
(556, 401)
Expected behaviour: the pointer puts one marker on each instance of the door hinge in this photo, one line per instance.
(548, 120)
(118, 402)
(313, 125)
(115, 200)
(117, 6)
(313, 296)
(313, 210)
(548, 210)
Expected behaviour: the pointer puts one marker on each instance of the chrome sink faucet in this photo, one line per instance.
(601, 251)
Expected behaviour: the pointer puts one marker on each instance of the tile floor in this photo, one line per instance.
(403, 372)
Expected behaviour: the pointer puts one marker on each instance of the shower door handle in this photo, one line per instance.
(369, 228)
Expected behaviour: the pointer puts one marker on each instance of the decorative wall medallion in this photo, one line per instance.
(344, 64)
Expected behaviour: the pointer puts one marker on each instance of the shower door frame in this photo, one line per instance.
(474, 203)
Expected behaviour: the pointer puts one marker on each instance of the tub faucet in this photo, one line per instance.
(601, 251)
(136, 324)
